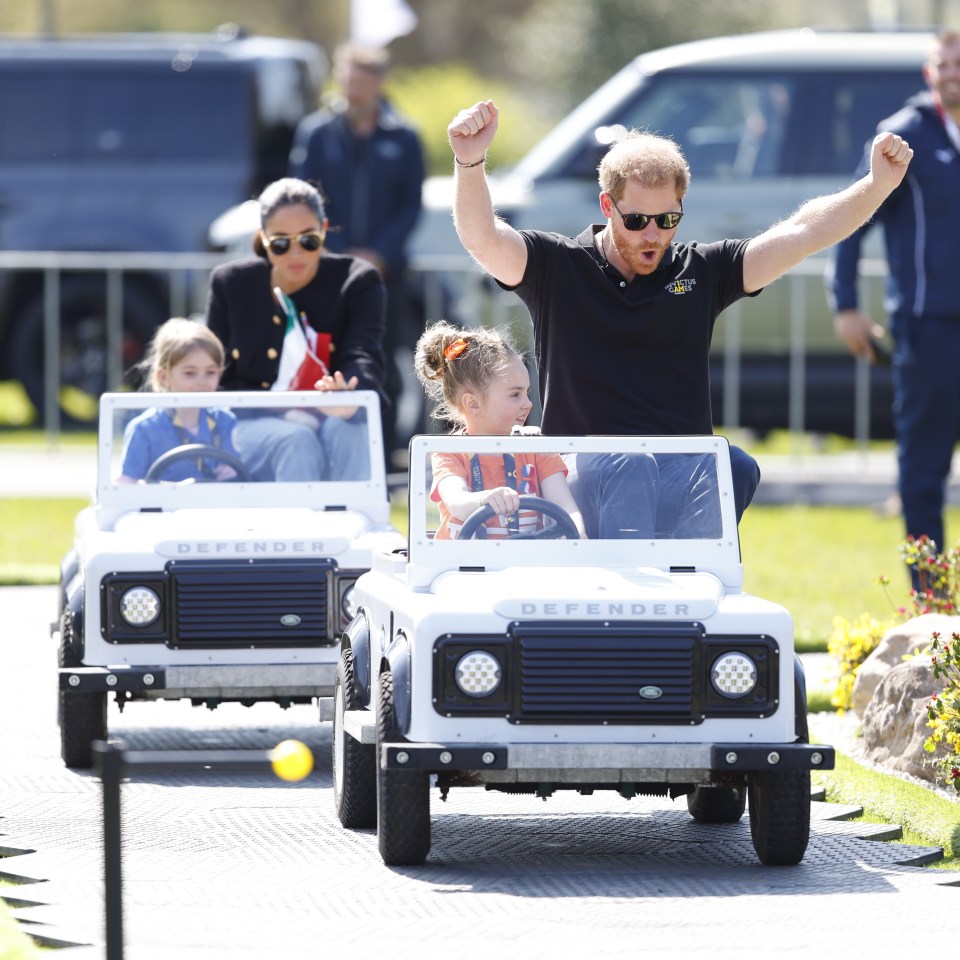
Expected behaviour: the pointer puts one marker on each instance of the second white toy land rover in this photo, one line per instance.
(207, 578)
(535, 661)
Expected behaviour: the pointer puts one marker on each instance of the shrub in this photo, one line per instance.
(936, 576)
(430, 98)
(943, 711)
(850, 644)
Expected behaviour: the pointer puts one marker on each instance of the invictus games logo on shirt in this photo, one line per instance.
(680, 286)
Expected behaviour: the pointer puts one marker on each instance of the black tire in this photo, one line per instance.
(82, 716)
(801, 726)
(83, 341)
(717, 804)
(354, 763)
(779, 805)
(403, 796)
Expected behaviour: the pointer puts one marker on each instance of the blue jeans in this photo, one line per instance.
(289, 452)
(667, 495)
(926, 417)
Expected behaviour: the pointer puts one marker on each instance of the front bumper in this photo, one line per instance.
(251, 681)
(609, 762)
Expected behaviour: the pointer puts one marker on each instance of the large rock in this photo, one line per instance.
(895, 721)
(902, 640)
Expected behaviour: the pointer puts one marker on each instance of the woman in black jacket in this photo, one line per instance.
(299, 317)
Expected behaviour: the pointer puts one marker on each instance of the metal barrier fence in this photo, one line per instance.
(290, 760)
(477, 300)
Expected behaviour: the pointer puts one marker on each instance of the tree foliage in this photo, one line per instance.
(550, 53)
(431, 96)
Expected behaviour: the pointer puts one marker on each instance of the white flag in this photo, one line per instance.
(374, 23)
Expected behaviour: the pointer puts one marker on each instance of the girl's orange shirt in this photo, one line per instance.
(532, 470)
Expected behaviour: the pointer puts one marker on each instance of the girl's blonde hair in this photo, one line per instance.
(449, 361)
(172, 342)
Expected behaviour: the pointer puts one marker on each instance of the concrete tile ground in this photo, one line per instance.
(243, 866)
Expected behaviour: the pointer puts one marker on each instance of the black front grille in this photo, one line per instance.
(268, 604)
(605, 673)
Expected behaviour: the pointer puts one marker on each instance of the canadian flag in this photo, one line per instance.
(305, 354)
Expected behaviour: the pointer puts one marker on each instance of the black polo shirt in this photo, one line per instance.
(625, 358)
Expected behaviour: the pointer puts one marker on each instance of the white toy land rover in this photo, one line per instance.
(530, 660)
(237, 589)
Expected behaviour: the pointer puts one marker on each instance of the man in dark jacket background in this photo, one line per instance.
(368, 163)
(921, 225)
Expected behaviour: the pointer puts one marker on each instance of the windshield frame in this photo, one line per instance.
(368, 495)
(429, 557)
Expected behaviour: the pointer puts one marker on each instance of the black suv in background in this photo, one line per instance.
(129, 143)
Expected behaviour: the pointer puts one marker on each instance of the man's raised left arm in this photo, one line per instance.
(824, 221)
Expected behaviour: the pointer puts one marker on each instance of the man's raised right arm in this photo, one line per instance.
(494, 244)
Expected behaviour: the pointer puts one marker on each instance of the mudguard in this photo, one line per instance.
(397, 658)
(357, 638)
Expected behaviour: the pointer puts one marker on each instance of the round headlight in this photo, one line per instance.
(477, 673)
(348, 602)
(139, 606)
(734, 674)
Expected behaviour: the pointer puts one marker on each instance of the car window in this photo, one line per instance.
(112, 115)
(155, 446)
(687, 507)
(729, 126)
(855, 105)
(738, 126)
(36, 119)
(285, 93)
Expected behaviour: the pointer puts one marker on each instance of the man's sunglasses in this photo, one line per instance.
(637, 221)
(279, 243)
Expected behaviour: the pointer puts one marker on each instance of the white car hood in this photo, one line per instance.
(235, 532)
(584, 592)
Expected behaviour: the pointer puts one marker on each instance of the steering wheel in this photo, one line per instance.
(565, 526)
(191, 451)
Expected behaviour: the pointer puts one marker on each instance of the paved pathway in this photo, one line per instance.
(244, 867)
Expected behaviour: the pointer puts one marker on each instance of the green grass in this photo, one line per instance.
(70, 440)
(783, 442)
(819, 562)
(37, 533)
(926, 817)
(818, 701)
(14, 944)
(822, 562)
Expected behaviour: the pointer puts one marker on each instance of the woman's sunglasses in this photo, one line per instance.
(637, 221)
(279, 243)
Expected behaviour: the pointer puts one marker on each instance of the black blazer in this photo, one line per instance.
(346, 299)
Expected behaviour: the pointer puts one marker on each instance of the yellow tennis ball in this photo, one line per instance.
(291, 760)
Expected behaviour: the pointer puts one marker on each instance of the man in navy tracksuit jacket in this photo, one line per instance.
(921, 224)
(369, 164)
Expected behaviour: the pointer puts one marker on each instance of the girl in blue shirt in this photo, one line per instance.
(184, 356)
